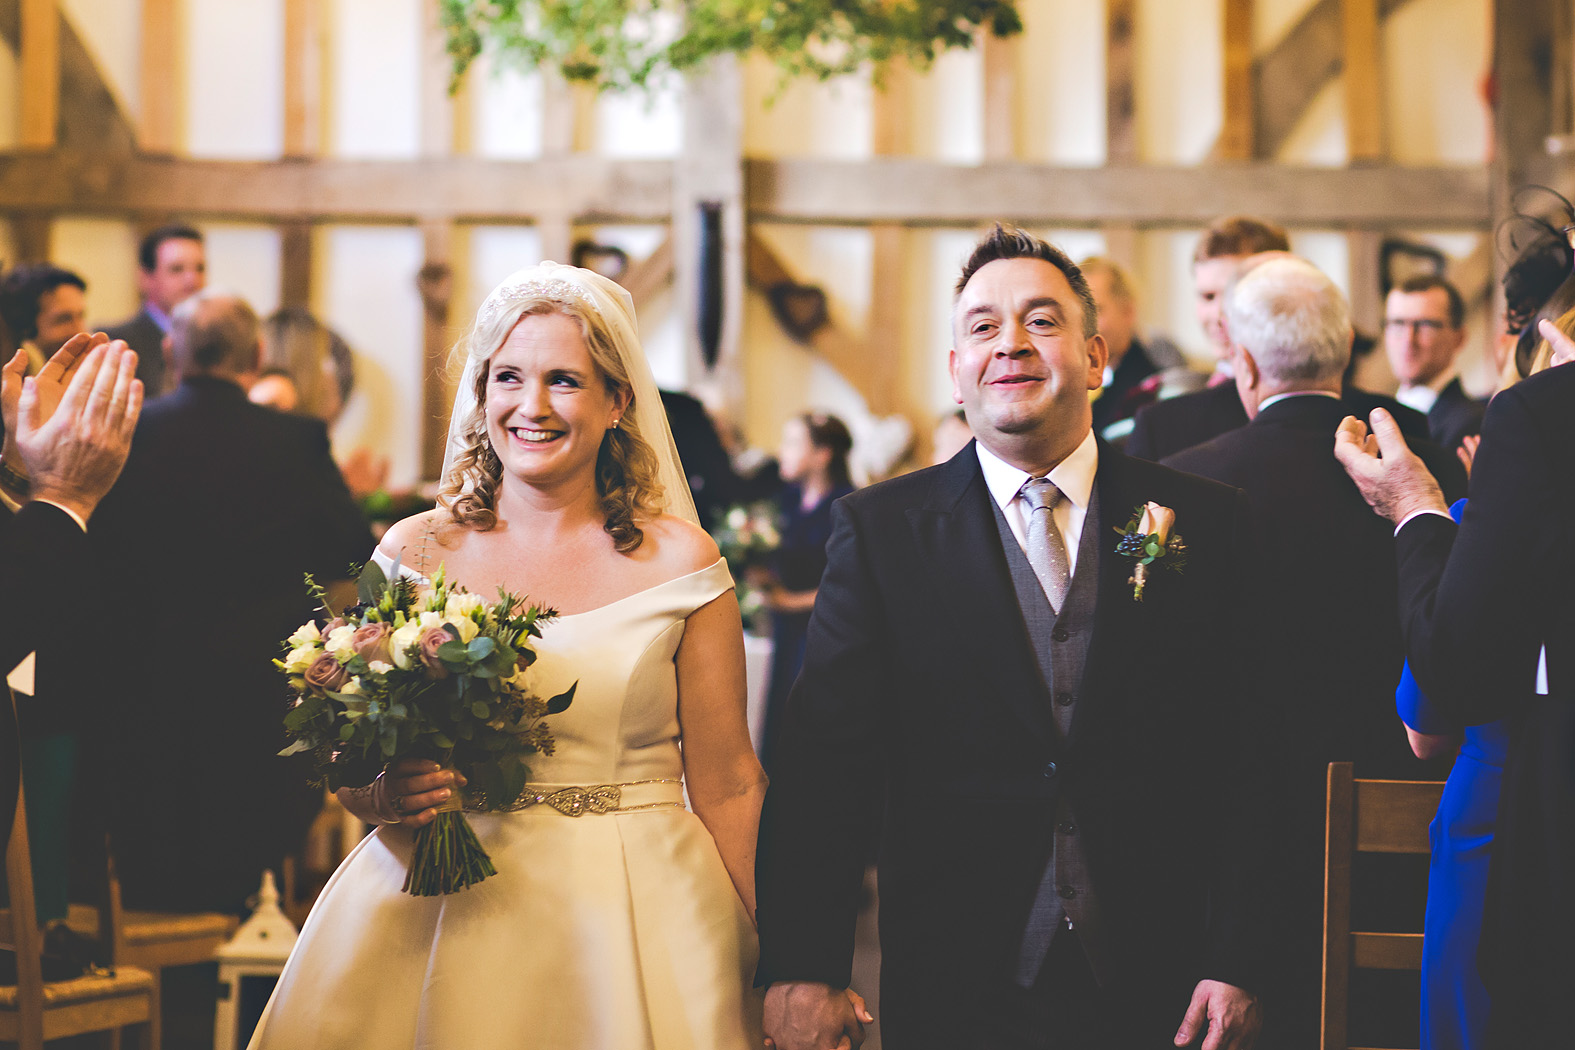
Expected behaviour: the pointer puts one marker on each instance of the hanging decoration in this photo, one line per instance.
(623, 44)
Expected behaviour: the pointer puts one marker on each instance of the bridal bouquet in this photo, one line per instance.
(747, 537)
(423, 671)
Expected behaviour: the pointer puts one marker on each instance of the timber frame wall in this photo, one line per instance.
(79, 154)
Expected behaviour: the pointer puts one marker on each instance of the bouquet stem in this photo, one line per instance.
(448, 856)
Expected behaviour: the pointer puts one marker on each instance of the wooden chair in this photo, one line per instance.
(34, 1010)
(1366, 816)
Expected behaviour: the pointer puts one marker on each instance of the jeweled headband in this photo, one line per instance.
(551, 289)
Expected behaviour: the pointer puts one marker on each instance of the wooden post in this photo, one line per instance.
(159, 119)
(304, 77)
(880, 381)
(437, 107)
(40, 74)
(1121, 146)
(1523, 116)
(1236, 132)
(1002, 140)
(31, 235)
(1363, 98)
(710, 170)
(436, 285)
(295, 264)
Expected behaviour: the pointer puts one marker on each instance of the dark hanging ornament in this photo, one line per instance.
(709, 307)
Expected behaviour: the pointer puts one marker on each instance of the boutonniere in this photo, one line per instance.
(1151, 537)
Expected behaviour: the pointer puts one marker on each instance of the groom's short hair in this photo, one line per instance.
(1010, 242)
(214, 331)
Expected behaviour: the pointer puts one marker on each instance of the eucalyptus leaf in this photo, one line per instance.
(561, 702)
(371, 584)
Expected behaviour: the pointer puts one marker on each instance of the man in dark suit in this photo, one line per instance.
(1424, 329)
(1318, 544)
(1139, 371)
(1487, 622)
(67, 434)
(172, 266)
(222, 508)
(1067, 848)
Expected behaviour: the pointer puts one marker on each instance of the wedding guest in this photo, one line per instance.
(951, 437)
(1071, 845)
(316, 359)
(67, 433)
(1489, 635)
(1334, 674)
(1140, 371)
(1184, 421)
(712, 481)
(813, 459)
(1424, 330)
(172, 265)
(222, 508)
(42, 306)
(275, 389)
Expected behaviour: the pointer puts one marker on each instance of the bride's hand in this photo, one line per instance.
(407, 792)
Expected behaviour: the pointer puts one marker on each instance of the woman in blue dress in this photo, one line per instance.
(814, 466)
(1454, 1001)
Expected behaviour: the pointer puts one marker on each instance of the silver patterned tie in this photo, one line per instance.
(1046, 548)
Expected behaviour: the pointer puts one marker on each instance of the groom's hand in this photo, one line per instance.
(1229, 1015)
(808, 1015)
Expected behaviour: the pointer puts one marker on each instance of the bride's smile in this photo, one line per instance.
(548, 405)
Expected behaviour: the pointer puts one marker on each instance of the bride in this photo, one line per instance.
(621, 930)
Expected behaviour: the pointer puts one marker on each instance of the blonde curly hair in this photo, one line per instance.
(626, 467)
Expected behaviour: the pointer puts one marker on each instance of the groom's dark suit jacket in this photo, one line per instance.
(920, 688)
(222, 507)
(1478, 601)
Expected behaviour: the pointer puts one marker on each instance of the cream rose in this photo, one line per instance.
(1157, 522)
(339, 641)
(407, 636)
(464, 625)
(462, 606)
(379, 666)
(300, 659)
(306, 634)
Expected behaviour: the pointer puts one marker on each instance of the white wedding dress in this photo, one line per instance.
(611, 931)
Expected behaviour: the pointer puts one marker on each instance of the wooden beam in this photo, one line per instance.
(40, 74)
(1121, 143)
(1364, 131)
(436, 285)
(90, 113)
(1236, 132)
(1523, 113)
(1290, 75)
(1002, 139)
(470, 188)
(651, 274)
(32, 238)
(918, 192)
(437, 106)
(158, 123)
(296, 250)
(304, 77)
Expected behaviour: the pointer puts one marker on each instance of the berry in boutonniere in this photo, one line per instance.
(1151, 537)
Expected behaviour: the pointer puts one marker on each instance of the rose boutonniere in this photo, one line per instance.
(1148, 538)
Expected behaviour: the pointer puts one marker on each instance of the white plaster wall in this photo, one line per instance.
(945, 108)
(104, 252)
(805, 118)
(1061, 73)
(234, 78)
(1179, 85)
(505, 111)
(1434, 55)
(112, 33)
(366, 292)
(627, 124)
(374, 76)
(245, 259)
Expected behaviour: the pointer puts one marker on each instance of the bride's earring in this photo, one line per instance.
(615, 423)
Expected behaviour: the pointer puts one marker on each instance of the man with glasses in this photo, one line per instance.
(1423, 332)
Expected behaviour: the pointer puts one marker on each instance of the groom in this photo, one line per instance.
(1070, 811)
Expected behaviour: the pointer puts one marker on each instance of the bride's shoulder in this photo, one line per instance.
(410, 538)
(677, 546)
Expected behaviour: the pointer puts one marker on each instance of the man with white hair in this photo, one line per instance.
(1331, 658)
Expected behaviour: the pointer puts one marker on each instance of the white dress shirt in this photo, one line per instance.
(1424, 396)
(1074, 476)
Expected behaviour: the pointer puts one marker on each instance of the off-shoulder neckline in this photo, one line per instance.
(378, 554)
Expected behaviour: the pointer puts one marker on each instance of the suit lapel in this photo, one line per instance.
(1109, 666)
(956, 535)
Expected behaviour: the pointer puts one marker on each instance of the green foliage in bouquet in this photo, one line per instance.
(428, 672)
(621, 44)
(747, 535)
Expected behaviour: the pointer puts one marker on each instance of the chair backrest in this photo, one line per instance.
(1366, 816)
(19, 929)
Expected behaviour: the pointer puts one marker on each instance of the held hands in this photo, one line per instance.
(409, 790)
(808, 1015)
(1396, 485)
(74, 421)
(1229, 1015)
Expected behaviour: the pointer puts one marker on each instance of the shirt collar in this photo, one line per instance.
(1074, 475)
(1266, 402)
(1423, 396)
(160, 318)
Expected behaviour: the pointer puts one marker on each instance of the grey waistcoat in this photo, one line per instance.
(1066, 891)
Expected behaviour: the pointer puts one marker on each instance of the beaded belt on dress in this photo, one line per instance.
(576, 800)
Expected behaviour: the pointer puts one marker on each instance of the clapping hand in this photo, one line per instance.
(1390, 477)
(74, 420)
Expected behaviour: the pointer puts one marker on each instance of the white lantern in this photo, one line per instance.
(249, 967)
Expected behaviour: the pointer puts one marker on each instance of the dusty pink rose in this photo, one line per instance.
(371, 642)
(334, 624)
(326, 674)
(431, 640)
